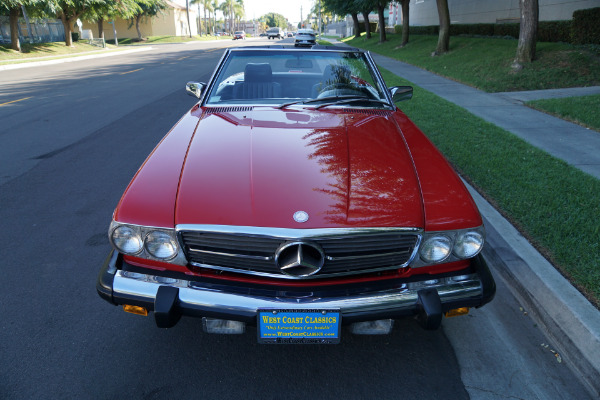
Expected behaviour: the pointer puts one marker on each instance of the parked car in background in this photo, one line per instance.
(305, 37)
(290, 34)
(273, 33)
(296, 197)
(239, 35)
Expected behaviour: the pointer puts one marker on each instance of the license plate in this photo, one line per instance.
(299, 326)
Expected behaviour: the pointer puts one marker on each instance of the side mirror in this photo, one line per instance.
(195, 88)
(400, 93)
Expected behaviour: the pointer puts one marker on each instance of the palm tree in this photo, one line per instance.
(207, 6)
(239, 12)
(215, 7)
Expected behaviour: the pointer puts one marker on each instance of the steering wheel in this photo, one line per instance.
(338, 89)
(343, 89)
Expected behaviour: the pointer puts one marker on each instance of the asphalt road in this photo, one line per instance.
(71, 138)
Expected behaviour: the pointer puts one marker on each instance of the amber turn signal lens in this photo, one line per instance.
(457, 311)
(135, 310)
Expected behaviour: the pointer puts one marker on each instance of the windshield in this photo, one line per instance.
(256, 77)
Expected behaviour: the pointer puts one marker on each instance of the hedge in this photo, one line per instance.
(586, 29)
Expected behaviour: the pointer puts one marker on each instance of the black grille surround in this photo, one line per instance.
(346, 253)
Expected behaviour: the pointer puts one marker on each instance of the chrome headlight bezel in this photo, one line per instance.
(455, 238)
(154, 239)
(436, 248)
(146, 233)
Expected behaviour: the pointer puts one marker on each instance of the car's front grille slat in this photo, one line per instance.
(344, 254)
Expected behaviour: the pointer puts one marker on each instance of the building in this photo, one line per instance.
(171, 22)
(424, 12)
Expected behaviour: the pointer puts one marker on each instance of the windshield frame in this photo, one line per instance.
(376, 75)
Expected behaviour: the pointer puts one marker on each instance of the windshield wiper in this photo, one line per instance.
(329, 98)
(352, 99)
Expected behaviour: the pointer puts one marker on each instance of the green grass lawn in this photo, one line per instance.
(583, 110)
(169, 39)
(485, 62)
(516, 177)
(44, 50)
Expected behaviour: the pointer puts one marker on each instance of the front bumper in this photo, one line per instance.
(170, 297)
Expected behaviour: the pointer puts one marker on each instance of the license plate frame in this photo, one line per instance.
(299, 326)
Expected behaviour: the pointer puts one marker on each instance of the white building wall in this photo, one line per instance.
(424, 12)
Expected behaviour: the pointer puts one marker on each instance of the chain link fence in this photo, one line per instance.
(42, 31)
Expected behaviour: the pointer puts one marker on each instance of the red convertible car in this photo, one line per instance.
(296, 198)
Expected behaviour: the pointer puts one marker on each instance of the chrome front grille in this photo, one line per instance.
(346, 252)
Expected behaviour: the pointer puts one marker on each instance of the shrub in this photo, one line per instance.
(554, 31)
(585, 28)
(548, 31)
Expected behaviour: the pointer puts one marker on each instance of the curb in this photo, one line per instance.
(563, 313)
(70, 59)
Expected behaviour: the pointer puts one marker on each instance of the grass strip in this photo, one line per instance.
(169, 39)
(581, 110)
(555, 205)
(485, 63)
(37, 50)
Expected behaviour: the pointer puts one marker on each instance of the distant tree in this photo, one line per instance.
(109, 10)
(215, 7)
(14, 9)
(239, 13)
(275, 20)
(344, 7)
(381, 5)
(365, 7)
(527, 33)
(68, 11)
(444, 36)
(207, 6)
(147, 8)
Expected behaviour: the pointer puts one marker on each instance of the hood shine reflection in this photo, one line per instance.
(257, 168)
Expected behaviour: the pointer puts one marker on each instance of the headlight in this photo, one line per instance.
(160, 245)
(468, 244)
(126, 240)
(436, 249)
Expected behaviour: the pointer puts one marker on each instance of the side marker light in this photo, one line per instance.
(457, 311)
(135, 310)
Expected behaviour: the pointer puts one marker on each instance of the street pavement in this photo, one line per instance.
(548, 298)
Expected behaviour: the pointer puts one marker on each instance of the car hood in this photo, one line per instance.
(257, 167)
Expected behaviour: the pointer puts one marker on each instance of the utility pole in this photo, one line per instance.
(301, 21)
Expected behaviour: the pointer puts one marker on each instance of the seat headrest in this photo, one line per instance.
(258, 73)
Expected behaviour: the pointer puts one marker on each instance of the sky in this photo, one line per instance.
(288, 8)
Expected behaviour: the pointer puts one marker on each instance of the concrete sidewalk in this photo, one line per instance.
(578, 146)
(566, 316)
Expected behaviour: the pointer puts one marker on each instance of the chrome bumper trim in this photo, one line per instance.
(196, 296)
